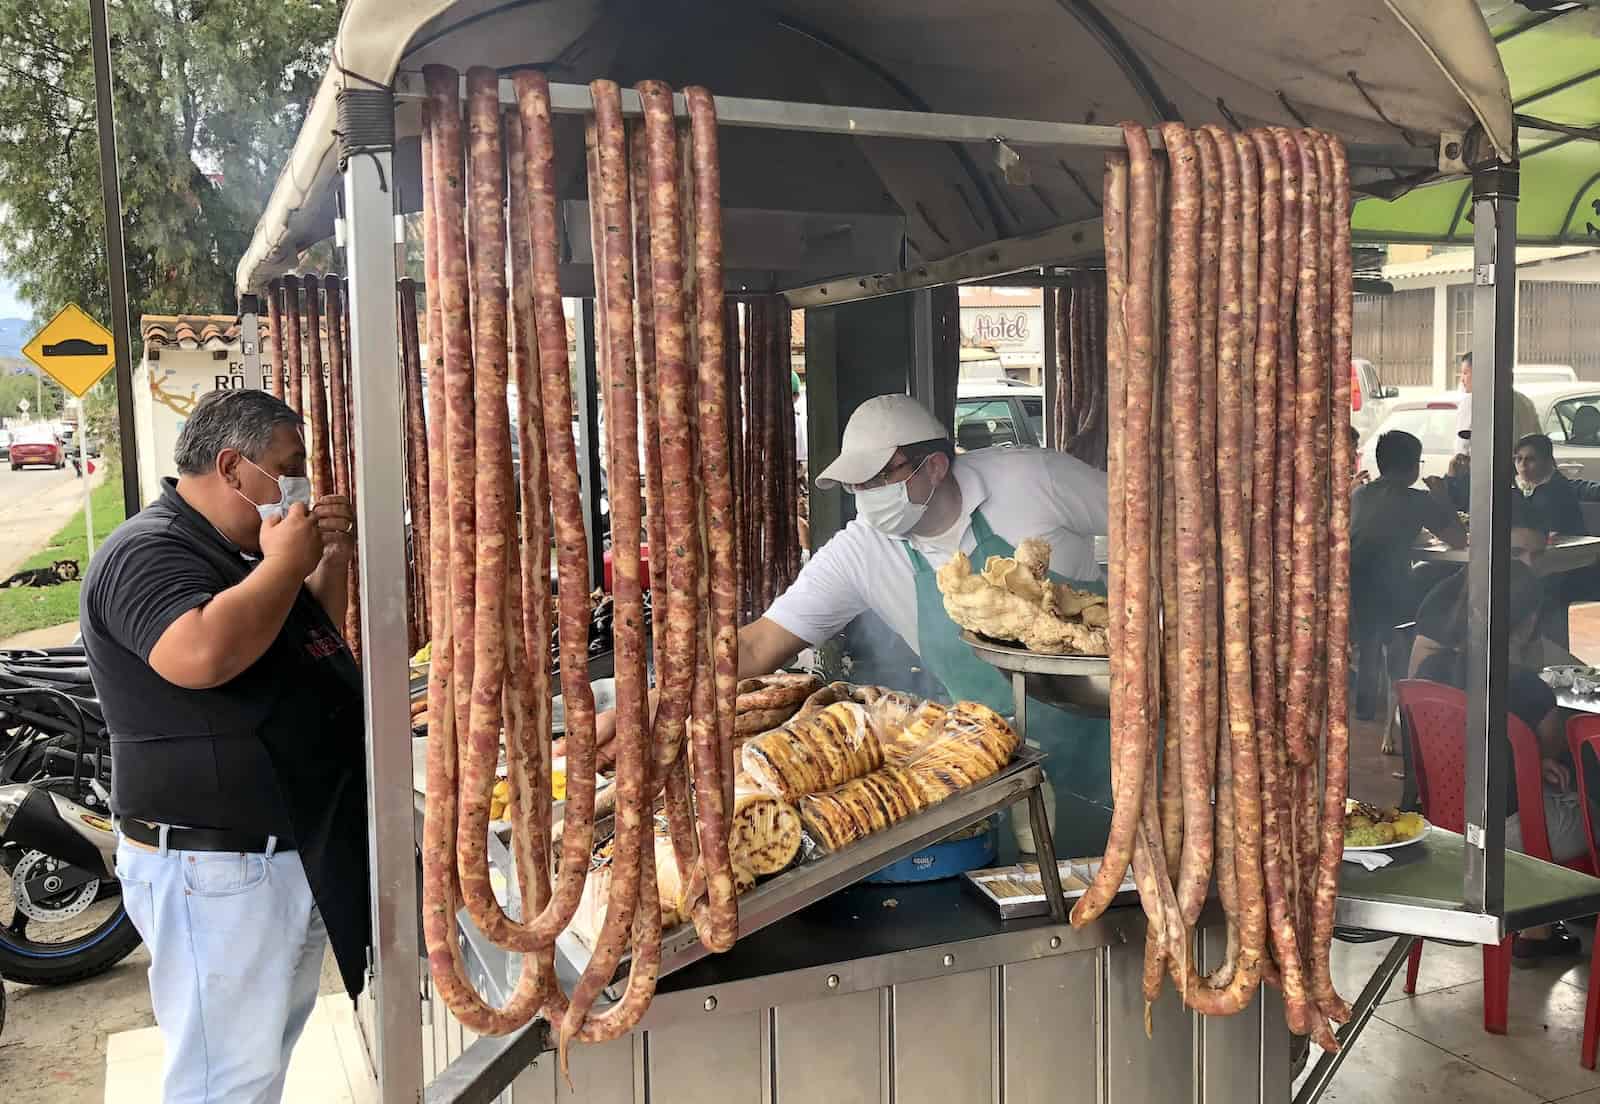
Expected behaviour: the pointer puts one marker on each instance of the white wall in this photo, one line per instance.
(165, 390)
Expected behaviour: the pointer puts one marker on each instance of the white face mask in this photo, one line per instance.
(291, 489)
(889, 508)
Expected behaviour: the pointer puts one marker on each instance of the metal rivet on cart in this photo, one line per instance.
(711, 1004)
(1055, 942)
(833, 981)
(949, 960)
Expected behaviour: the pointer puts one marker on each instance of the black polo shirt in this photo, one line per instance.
(197, 757)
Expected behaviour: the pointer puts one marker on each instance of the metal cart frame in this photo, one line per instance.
(370, 229)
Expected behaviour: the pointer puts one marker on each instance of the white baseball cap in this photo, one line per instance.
(878, 427)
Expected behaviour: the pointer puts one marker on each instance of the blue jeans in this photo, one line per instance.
(236, 946)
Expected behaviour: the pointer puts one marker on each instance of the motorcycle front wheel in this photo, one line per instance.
(81, 933)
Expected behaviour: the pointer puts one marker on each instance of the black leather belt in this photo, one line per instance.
(197, 839)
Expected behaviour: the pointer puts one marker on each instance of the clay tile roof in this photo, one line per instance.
(188, 331)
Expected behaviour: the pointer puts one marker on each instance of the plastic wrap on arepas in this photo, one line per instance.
(972, 743)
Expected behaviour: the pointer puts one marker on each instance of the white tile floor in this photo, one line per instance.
(1431, 1044)
(318, 1071)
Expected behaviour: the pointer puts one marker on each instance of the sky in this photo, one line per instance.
(10, 305)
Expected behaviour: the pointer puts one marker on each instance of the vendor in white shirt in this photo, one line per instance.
(917, 502)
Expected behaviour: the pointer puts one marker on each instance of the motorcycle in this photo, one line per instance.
(61, 912)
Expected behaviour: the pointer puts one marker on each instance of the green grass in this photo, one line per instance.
(26, 608)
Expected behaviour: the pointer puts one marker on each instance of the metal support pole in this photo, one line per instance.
(922, 347)
(116, 257)
(1048, 355)
(379, 463)
(587, 408)
(1494, 313)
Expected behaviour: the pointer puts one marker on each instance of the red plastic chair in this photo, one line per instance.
(1583, 735)
(1436, 718)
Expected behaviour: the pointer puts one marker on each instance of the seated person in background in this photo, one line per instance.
(1362, 476)
(1585, 426)
(1442, 640)
(1386, 517)
(1551, 497)
(1528, 546)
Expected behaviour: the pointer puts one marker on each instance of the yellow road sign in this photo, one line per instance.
(73, 349)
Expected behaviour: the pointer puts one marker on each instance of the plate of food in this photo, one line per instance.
(1370, 828)
(1565, 676)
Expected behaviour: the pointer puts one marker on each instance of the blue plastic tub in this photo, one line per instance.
(943, 860)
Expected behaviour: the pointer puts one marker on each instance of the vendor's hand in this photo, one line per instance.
(1558, 775)
(1434, 483)
(294, 539)
(1460, 464)
(1363, 477)
(605, 752)
(336, 521)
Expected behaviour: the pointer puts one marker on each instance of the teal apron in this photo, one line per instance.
(1077, 746)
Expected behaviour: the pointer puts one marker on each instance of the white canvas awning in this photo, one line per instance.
(1378, 72)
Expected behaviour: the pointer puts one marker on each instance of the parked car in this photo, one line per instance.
(1545, 373)
(1570, 414)
(1431, 420)
(1558, 409)
(5, 444)
(995, 414)
(36, 448)
(1370, 400)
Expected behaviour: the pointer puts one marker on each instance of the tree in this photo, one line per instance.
(24, 384)
(209, 95)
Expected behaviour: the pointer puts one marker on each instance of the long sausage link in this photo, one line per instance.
(275, 328)
(1242, 787)
(1210, 258)
(441, 893)
(491, 460)
(644, 339)
(294, 349)
(633, 822)
(714, 446)
(1338, 741)
(416, 433)
(1184, 362)
(715, 669)
(534, 470)
(566, 507)
(1062, 367)
(1309, 368)
(1114, 220)
(1249, 279)
(530, 606)
(1263, 606)
(1288, 281)
(1133, 604)
(1171, 803)
(316, 394)
(674, 398)
(456, 333)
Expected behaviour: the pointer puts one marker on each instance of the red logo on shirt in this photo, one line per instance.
(322, 644)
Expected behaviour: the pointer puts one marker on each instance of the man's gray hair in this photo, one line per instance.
(240, 420)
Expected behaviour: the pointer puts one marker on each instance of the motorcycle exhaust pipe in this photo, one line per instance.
(38, 820)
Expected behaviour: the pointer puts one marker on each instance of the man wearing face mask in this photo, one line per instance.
(238, 769)
(917, 502)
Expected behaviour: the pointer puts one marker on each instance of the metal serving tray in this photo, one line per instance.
(1075, 875)
(1077, 682)
(816, 877)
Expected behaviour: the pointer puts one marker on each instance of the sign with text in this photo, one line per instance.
(999, 328)
(72, 349)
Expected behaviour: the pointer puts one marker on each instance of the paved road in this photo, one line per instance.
(34, 503)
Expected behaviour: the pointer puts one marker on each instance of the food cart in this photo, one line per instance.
(872, 150)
